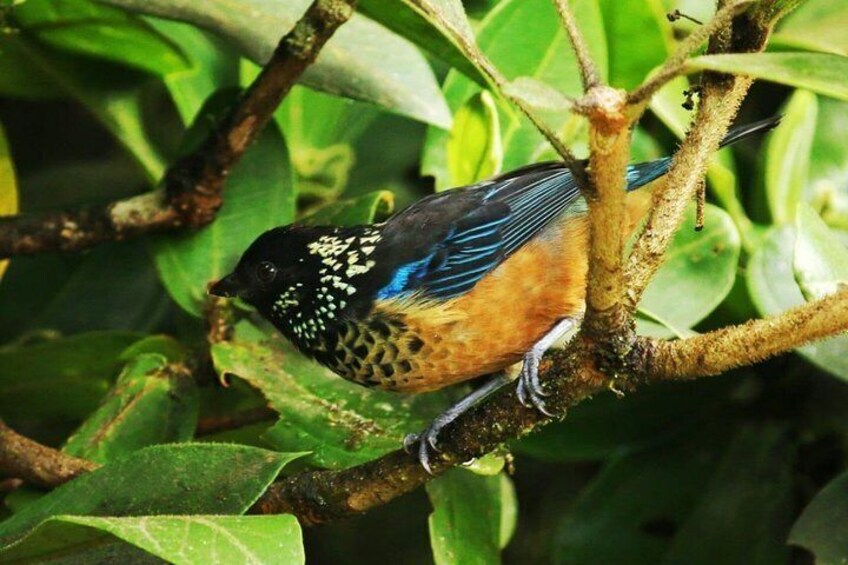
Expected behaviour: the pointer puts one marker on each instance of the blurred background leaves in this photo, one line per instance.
(96, 98)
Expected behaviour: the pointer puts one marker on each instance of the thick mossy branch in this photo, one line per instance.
(191, 193)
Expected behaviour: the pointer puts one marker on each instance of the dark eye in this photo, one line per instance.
(265, 272)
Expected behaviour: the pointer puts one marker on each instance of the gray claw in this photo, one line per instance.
(427, 442)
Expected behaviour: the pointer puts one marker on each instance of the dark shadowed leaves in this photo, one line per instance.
(821, 527)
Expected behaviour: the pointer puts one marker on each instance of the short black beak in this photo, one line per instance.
(228, 287)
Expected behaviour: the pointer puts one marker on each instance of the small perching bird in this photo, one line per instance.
(458, 285)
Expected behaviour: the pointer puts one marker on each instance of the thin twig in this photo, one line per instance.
(191, 193)
(226, 422)
(588, 70)
(673, 66)
(22, 458)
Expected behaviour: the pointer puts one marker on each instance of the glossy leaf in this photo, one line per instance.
(320, 130)
(820, 72)
(352, 211)
(817, 25)
(89, 28)
(474, 146)
(176, 539)
(362, 60)
(821, 258)
(160, 480)
(59, 379)
(638, 40)
(341, 423)
(150, 403)
(259, 197)
(433, 25)
(473, 517)
(523, 38)
(827, 188)
(821, 525)
(788, 156)
(773, 289)
(8, 187)
(213, 67)
(698, 272)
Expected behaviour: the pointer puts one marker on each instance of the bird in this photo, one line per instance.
(461, 284)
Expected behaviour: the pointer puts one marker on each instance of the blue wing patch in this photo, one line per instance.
(513, 209)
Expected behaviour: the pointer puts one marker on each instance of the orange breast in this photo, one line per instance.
(506, 313)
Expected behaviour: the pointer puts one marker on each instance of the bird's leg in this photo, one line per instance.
(529, 390)
(427, 440)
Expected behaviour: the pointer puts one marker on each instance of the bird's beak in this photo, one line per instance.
(228, 287)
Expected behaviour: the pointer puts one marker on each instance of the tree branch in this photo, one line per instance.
(588, 70)
(22, 458)
(674, 64)
(191, 193)
(721, 96)
(745, 344)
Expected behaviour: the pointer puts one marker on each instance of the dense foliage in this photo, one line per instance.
(97, 98)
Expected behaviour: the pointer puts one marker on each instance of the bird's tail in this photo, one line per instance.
(640, 174)
(741, 132)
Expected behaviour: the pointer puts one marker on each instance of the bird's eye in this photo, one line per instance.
(265, 272)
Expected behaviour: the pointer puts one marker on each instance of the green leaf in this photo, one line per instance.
(638, 40)
(820, 72)
(744, 513)
(698, 272)
(159, 480)
(112, 94)
(177, 539)
(87, 28)
(94, 295)
(352, 211)
(433, 25)
(821, 258)
(788, 151)
(341, 423)
(473, 517)
(773, 289)
(59, 379)
(259, 197)
(821, 527)
(474, 146)
(542, 54)
(151, 403)
(818, 25)
(605, 425)
(362, 60)
(320, 130)
(8, 187)
(213, 67)
(629, 512)
(827, 188)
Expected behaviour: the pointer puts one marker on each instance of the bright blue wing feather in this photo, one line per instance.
(512, 211)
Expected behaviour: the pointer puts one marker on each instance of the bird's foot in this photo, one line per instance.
(425, 445)
(530, 391)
